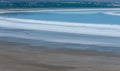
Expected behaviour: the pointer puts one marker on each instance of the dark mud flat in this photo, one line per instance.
(23, 57)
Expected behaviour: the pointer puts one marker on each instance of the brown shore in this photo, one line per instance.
(23, 57)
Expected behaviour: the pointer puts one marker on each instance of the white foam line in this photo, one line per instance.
(47, 10)
(76, 28)
(112, 13)
(76, 12)
(62, 23)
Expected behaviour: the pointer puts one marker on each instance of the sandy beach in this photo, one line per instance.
(22, 57)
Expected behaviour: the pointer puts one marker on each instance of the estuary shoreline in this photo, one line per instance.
(17, 57)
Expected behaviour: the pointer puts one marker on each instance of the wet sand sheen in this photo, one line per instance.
(22, 57)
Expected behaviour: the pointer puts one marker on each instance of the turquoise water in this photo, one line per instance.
(97, 17)
(97, 30)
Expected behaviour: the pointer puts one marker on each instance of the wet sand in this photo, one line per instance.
(22, 57)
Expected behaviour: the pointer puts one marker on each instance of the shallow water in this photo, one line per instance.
(88, 30)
